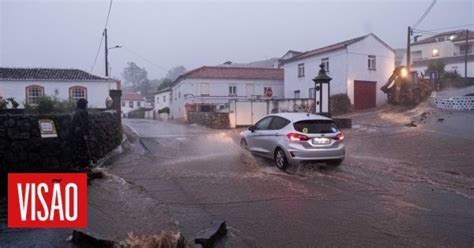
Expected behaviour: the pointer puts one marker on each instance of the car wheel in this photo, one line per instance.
(280, 159)
(335, 162)
(243, 144)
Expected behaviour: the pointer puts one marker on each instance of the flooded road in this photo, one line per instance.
(399, 186)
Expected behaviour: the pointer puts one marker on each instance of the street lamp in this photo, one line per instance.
(322, 92)
(107, 53)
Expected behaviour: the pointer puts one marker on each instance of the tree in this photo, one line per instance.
(166, 82)
(175, 72)
(134, 75)
(436, 66)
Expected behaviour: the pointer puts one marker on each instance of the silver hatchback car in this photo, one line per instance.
(290, 138)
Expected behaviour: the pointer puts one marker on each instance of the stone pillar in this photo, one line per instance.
(116, 96)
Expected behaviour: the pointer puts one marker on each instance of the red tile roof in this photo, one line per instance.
(223, 72)
(132, 96)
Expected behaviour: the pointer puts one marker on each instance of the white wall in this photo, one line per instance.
(337, 70)
(358, 66)
(445, 48)
(97, 91)
(159, 103)
(345, 66)
(126, 108)
(189, 91)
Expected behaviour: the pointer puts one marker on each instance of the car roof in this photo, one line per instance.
(300, 116)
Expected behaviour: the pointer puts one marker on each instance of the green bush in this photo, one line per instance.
(164, 110)
(137, 113)
(340, 104)
(51, 105)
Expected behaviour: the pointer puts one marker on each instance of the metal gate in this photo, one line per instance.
(245, 113)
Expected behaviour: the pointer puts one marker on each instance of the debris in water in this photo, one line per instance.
(440, 119)
(210, 236)
(411, 124)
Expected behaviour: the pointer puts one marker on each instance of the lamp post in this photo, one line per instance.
(322, 92)
(107, 53)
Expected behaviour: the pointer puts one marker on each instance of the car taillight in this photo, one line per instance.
(339, 136)
(297, 137)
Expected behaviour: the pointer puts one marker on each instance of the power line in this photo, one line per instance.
(452, 27)
(427, 11)
(142, 57)
(102, 37)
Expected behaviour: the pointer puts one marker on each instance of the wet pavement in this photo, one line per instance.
(399, 186)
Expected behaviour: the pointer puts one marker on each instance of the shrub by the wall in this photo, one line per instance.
(340, 104)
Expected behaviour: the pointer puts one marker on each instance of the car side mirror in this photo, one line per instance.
(252, 128)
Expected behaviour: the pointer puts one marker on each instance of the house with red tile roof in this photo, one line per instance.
(212, 87)
(132, 101)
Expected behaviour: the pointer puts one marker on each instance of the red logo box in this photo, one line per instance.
(47, 200)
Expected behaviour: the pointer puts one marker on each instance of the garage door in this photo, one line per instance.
(364, 94)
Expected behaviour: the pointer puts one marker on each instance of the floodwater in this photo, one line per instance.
(399, 186)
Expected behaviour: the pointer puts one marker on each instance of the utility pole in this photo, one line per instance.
(106, 54)
(408, 47)
(465, 56)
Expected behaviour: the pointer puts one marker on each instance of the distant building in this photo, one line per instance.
(132, 101)
(212, 87)
(448, 47)
(162, 99)
(358, 67)
(28, 85)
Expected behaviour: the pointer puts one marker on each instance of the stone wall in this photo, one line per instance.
(23, 149)
(210, 119)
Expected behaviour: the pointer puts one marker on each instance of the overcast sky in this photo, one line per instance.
(158, 35)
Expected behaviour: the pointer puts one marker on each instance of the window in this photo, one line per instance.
(77, 92)
(157, 99)
(278, 123)
(164, 98)
(130, 104)
(204, 89)
(439, 39)
(371, 62)
(312, 93)
(206, 108)
(435, 52)
(232, 90)
(33, 94)
(297, 94)
(301, 70)
(325, 62)
(123, 104)
(139, 104)
(263, 123)
(316, 126)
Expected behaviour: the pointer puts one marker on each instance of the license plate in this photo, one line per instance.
(321, 141)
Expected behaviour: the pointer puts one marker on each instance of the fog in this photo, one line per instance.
(159, 35)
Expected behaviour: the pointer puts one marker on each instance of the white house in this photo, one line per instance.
(132, 101)
(212, 87)
(162, 98)
(27, 85)
(449, 47)
(358, 67)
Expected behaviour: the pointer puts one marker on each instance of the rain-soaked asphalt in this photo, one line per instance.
(398, 187)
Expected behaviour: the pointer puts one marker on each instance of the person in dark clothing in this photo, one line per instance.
(81, 153)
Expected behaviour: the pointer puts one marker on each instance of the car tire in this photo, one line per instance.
(335, 162)
(280, 159)
(243, 144)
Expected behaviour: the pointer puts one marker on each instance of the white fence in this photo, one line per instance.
(465, 103)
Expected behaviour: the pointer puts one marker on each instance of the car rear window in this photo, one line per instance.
(316, 126)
